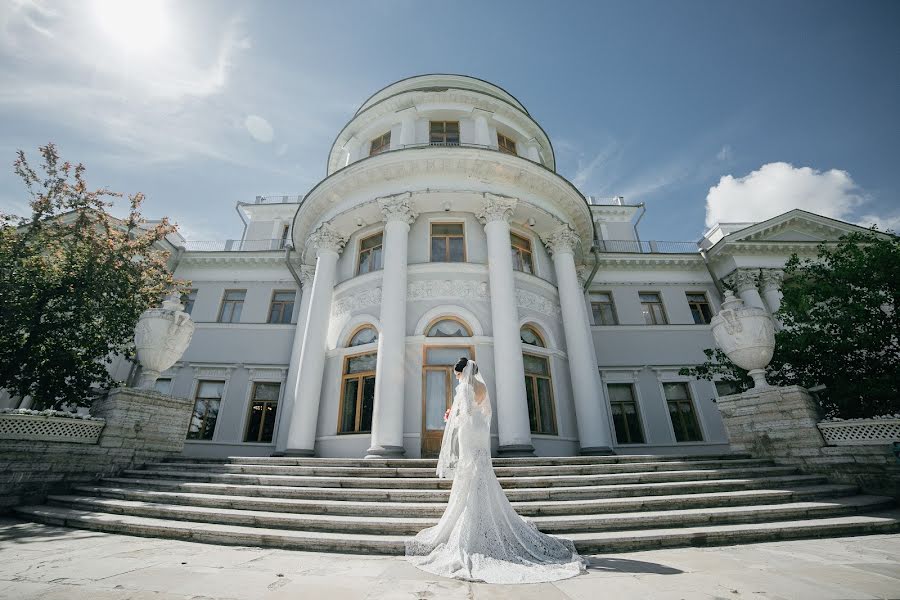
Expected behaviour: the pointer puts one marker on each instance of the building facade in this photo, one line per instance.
(441, 230)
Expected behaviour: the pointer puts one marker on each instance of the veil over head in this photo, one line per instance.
(464, 411)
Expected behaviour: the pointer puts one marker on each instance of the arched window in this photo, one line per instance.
(364, 335)
(448, 328)
(530, 336)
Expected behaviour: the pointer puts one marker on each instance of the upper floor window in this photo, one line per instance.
(652, 307)
(539, 394)
(206, 410)
(282, 306)
(284, 233)
(364, 335)
(681, 412)
(444, 133)
(529, 335)
(263, 408)
(380, 144)
(370, 254)
(187, 300)
(603, 309)
(232, 304)
(521, 253)
(448, 328)
(505, 144)
(700, 309)
(448, 242)
(625, 415)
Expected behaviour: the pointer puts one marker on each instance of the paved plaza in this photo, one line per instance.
(55, 563)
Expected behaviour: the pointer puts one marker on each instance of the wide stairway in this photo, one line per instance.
(605, 504)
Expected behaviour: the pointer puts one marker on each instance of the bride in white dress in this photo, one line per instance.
(480, 537)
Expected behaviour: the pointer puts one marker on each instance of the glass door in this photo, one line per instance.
(439, 385)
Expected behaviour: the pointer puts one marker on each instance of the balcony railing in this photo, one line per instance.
(234, 245)
(651, 247)
(277, 199)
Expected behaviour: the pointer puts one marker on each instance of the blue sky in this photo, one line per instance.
(703, 110)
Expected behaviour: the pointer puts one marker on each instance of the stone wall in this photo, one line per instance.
(780, 423)
(141, 426)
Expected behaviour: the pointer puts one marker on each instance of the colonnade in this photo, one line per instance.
(304, 381)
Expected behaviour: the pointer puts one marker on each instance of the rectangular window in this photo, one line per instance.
(521, 254)
(380, 144)
(232, 304)
(370, 254)
(263, 408)
(282, 306)
(505, 144)
(163, 385)
(625, 413)
(603, 309)
(681, 411)
(206, 410)
(284, 234)
(448, 242)
(444, 133)
(652, 307)
(539, 394)
(187, 299)
(357, 394)
(700, 309)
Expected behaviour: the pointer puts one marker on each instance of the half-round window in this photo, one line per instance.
(364, 335)
(530, 336)
(448, 328)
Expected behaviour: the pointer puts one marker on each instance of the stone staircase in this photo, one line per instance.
(603, 503)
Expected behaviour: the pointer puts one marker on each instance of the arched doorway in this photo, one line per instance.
(438, 380)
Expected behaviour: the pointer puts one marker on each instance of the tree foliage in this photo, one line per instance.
(841, 316)
(73, 282)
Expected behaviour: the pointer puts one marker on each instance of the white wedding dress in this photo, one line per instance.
(480, 537)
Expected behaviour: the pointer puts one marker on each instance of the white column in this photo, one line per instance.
(353, 149)
(744, 281)
(770, 282)
(387, 413)
(483, 132)
(513, 425)
(407, 128)
(590, 404)
(290, 387)
(302, 426)
(533, 150)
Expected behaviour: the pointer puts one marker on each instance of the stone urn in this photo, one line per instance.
(160, 338)
(746, 334)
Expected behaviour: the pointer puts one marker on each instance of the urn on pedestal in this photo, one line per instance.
(746, 334)
(160, 338)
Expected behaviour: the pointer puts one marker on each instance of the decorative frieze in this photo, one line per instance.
(447, 288)
(531, 301)
(496, 208)
(563, 240)
(398, 208)
(361, 299)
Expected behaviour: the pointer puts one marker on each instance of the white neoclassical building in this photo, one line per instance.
(441, 230)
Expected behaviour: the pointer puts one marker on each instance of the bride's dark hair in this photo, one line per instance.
(461, 364)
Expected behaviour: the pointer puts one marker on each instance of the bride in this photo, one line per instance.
(480, 537)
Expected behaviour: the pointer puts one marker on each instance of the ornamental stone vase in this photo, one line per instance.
(160, 338)
(746, 334)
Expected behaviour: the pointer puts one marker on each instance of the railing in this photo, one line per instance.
(614, 201)
(651, 247)
(292, 199)
(234, 245)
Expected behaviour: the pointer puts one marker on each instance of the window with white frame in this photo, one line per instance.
(603, 309)
(700, 308)
(652, 309)
(681, 412)
(263, 409)
(626, 417)
(206, 410)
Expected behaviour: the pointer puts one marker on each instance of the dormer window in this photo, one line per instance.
(444, 133)
(506, 145)
(380, 144)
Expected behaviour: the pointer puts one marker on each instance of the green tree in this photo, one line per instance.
(73, 282)
(841, 316)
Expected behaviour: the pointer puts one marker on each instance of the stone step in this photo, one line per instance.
(435, 509)
(589, 542)
(431, 463)
(409, 483)
(416, 472)
(379, 525)
(622, 490)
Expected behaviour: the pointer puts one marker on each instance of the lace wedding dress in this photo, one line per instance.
(480, 537)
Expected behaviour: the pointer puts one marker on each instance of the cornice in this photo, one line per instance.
(267, 257)
(643, 261)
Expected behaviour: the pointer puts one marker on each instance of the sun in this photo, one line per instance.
(135, 26)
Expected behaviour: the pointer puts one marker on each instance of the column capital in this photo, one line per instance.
(307, 273)
(496, 208)
(771, 279)
(397, 208)
(742, 279)
(327, 238)
(562, 241)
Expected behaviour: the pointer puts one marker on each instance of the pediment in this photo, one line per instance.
(795, 226)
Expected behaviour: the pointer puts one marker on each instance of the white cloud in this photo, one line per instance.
(259, 129)
(725, 154)
(778, 187)
(883, 222)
